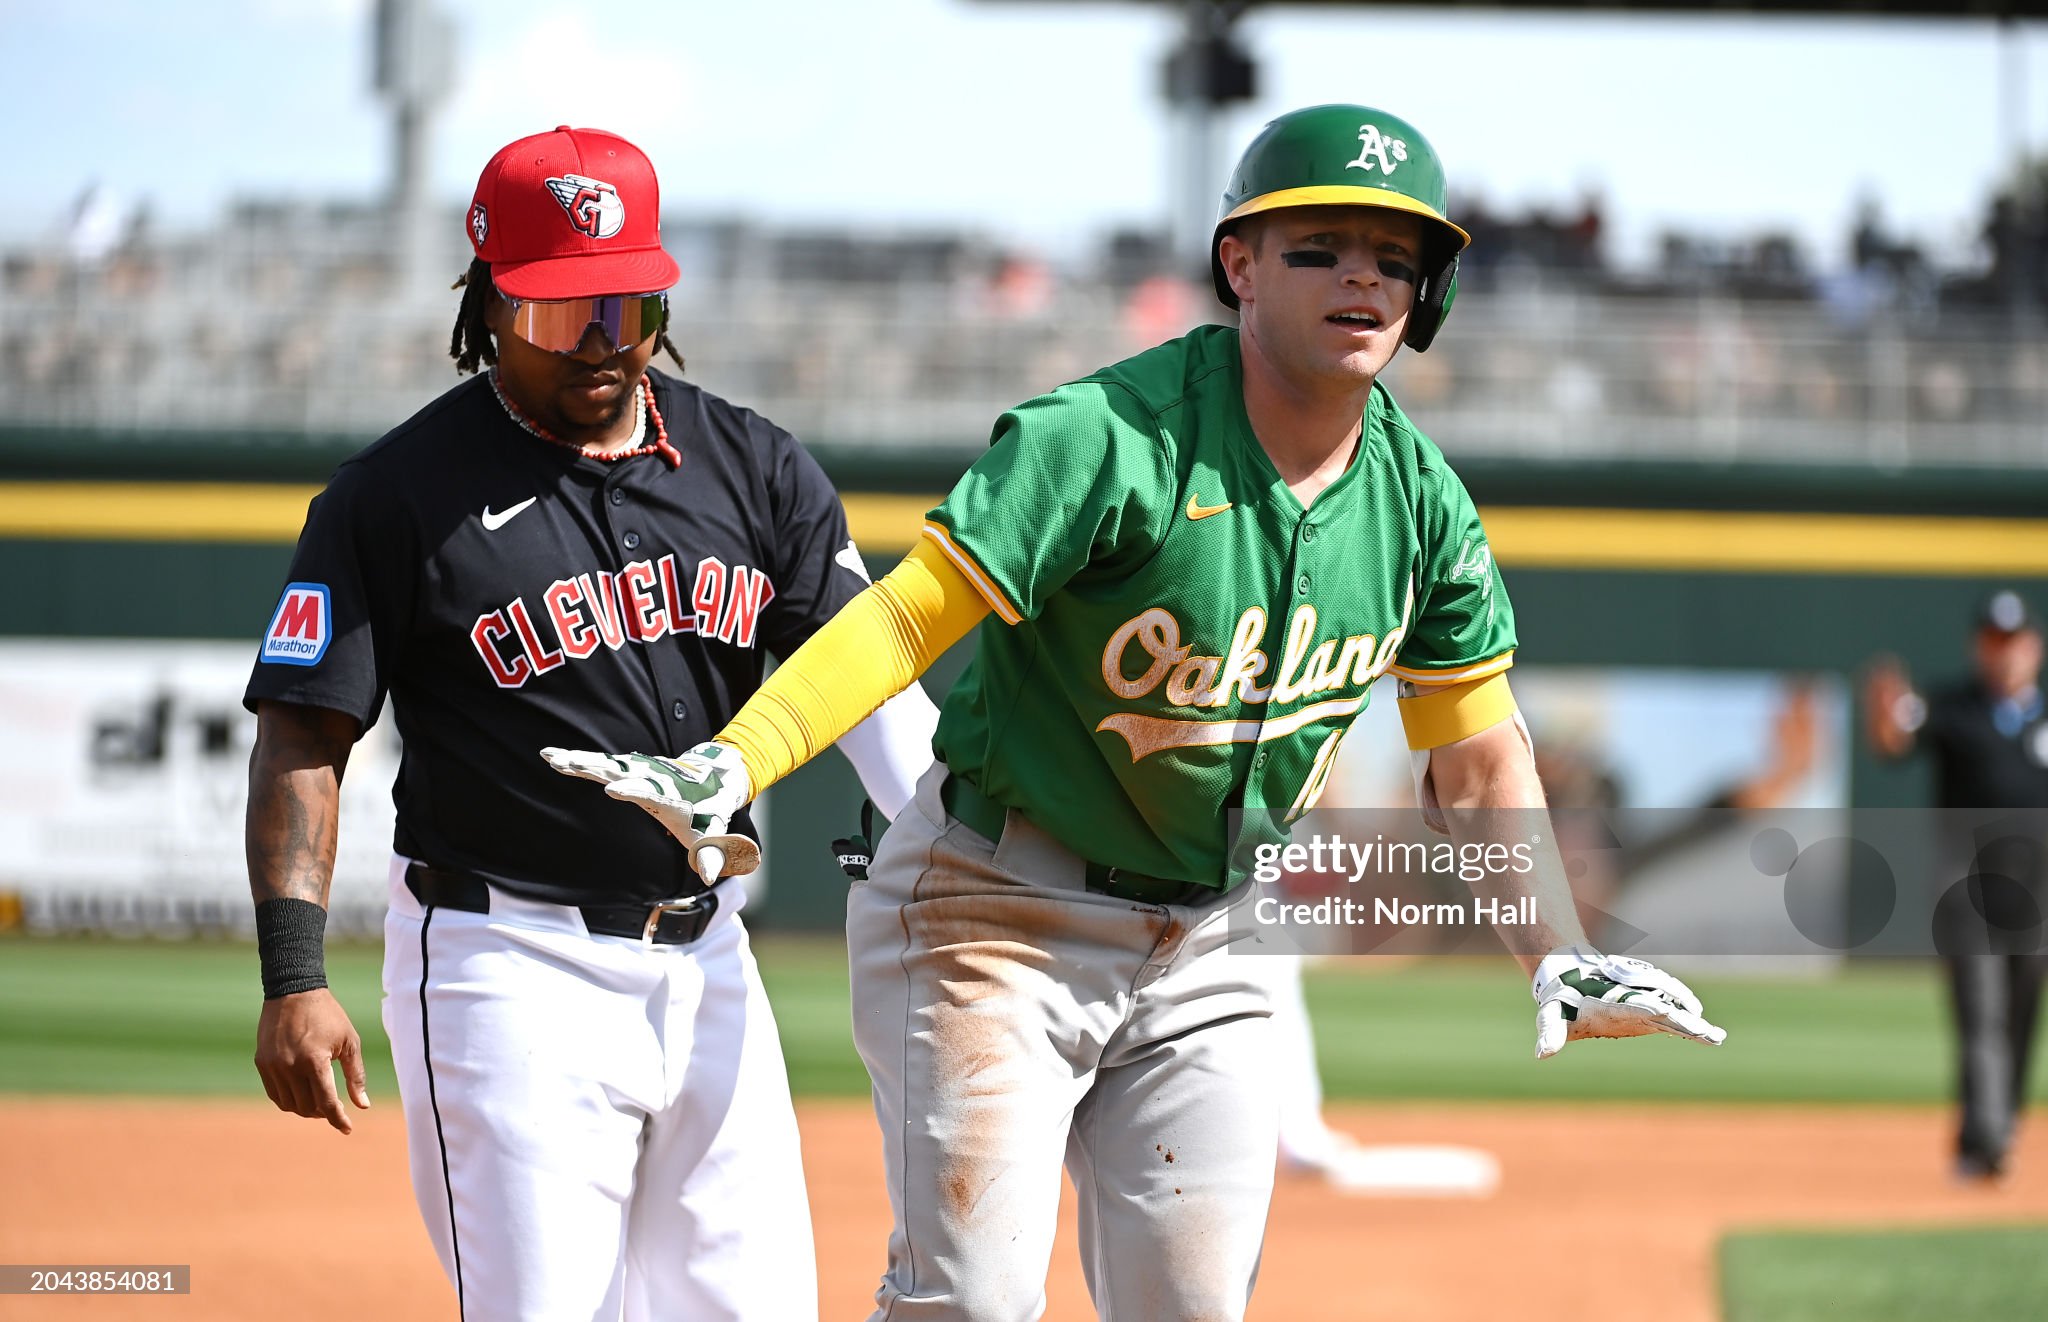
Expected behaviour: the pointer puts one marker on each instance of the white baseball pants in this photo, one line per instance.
(597, 1129)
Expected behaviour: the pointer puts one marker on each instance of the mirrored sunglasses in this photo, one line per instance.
(558, 325)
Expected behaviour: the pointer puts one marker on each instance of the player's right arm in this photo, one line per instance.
(1069, 479)
(318, 682)
(1055, 493)
(873, 649)
(294, 808)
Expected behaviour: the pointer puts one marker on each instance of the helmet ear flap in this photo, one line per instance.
(1433, 296)
(1224, 293)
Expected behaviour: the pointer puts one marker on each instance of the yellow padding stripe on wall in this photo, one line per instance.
(1524, 537)
(1719, 540)
(273, 513)
(154, 511)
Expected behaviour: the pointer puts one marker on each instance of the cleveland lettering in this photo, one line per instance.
(642, 603)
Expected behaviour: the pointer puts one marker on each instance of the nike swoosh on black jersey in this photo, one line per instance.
(493, 522)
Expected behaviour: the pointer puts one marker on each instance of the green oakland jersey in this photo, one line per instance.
(1175, 637)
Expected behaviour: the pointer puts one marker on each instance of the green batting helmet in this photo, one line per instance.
(1344, 155)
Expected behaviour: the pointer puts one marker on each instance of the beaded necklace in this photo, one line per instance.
(643, 408)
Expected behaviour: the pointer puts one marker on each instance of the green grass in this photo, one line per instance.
(88, 1016)
(1976, 1274)
(1455, 1029)
(806, 980)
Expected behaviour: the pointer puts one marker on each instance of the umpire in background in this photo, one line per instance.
(1989, 741)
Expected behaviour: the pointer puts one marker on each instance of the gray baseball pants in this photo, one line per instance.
(1011, 1019)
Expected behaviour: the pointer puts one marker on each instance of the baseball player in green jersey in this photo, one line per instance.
(1187, 570)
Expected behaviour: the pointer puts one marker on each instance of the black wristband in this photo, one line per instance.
(291, 942)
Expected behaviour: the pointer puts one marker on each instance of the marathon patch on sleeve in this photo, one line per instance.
(299, 632)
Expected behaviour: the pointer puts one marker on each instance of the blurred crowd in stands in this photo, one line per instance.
(291, 317)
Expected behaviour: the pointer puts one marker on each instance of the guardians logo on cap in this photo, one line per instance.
(593, 205)
(574, 213)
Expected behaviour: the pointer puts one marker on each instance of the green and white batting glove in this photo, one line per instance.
(1583, 993)
(694, 796)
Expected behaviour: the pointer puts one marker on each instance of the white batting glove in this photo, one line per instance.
(694, 797)
(1583, 993)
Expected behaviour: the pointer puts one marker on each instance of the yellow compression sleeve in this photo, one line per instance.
(868, 653)
(1445, 714)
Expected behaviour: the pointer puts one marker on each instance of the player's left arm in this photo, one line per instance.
(1493, 804)
(1486, 788)
(1475, 774)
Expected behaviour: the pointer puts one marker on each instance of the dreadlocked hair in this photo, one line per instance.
(472, 343)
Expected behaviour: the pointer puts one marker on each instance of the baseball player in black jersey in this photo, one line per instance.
(571, 549)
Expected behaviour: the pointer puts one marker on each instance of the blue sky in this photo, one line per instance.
(1037, 122)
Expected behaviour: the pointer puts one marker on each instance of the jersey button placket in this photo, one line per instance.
(1255, 788)
(1305, 533)
(631, 541)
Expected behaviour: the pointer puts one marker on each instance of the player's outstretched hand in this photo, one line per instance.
(1583, 993)
(694, 796)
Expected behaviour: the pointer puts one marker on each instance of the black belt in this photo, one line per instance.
(669, 923)
(984, 816)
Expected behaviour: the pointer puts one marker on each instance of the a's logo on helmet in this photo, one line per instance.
(479, 224)
(1378, 149)
(594, 207)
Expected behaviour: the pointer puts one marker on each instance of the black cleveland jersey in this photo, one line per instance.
(511, 594)
(1987, 753)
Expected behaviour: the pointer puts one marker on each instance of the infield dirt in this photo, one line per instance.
(1602, 1210)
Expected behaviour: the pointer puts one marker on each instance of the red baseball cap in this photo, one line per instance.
(571, 214)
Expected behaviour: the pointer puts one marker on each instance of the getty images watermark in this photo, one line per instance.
(1709, 881)
(1353, 860)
